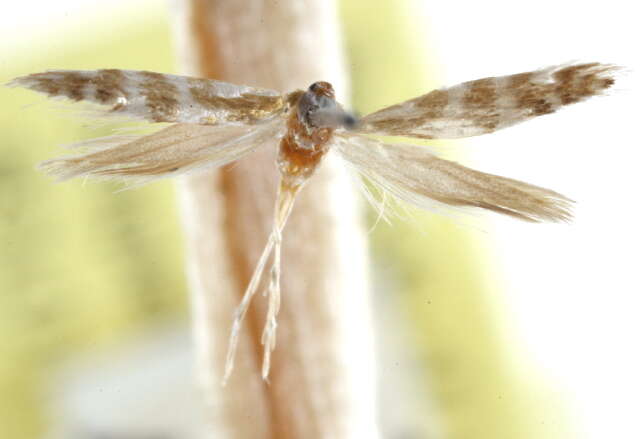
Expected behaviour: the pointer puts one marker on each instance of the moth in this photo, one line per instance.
(214, 123)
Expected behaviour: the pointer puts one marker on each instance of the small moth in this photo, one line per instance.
(215, 123)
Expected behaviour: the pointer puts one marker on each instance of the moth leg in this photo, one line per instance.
(269, 332)
(241, 310)
(284, 203)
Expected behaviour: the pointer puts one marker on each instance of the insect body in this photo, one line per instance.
(310, 125)
(214, 123)
(308, 132)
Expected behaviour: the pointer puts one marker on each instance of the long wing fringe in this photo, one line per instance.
(175, 150)
(414, 175)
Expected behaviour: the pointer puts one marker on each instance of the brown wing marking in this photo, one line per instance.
(158, 97)
(486, 105)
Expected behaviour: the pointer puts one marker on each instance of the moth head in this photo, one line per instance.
(317, 108)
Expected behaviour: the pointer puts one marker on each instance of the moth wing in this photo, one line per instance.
(174, 150)
(414, 175)
(486, 105)
(158, 97)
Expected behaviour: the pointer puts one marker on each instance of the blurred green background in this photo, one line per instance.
(82, 268)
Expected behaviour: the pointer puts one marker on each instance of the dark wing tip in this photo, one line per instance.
(66, 83)
(21, 81)
(577, 82)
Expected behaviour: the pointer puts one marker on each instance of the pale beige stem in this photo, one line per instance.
(321, 379)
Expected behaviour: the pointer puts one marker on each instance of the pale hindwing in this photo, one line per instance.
(489, 104)
(172, 151)
(158, 97)
(418, 177)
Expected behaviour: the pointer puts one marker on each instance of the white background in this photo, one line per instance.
(573, 294)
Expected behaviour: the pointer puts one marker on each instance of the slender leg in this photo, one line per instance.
(284, 204)
(241, 311)
(269, 332)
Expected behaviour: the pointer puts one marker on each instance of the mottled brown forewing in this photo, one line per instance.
(486, 105)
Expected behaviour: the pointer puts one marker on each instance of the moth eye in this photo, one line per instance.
(314, 86)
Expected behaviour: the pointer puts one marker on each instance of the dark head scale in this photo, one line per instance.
(318, 108)
(322, 88)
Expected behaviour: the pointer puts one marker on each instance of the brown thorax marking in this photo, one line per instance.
(303, 146)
